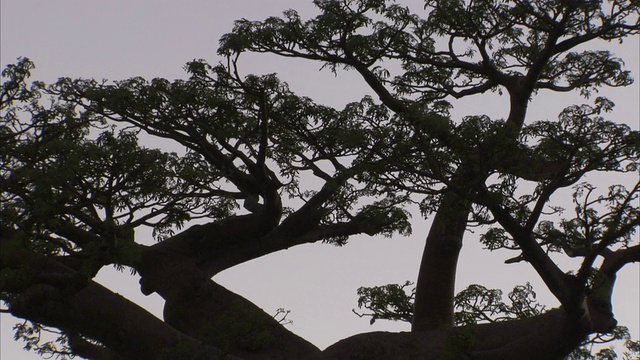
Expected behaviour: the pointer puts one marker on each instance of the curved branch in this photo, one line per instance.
(91, 309)
(614, 261)
(530, 339)
(385, 96)
(479, 89)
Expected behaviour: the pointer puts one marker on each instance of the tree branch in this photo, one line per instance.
(557, 281)
(614, 261)
(92, 310)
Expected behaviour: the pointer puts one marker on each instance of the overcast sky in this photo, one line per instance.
(119, 39)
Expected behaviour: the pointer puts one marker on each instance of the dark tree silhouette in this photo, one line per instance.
(262, 169)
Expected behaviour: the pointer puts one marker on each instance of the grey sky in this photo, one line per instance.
(118, 39)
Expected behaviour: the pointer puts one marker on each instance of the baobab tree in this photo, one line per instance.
(261, 169)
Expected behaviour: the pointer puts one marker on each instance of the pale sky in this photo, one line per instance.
(119, 39)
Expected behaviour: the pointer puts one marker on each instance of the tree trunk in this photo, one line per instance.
(435, 287)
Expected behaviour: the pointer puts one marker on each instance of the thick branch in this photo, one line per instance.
(613, 262)
(92, 310)
(546, 336)
(201, 308)
(88, 350)
(220, 246)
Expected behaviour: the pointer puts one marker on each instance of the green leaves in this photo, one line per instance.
(76, 180)
(14, 88)
(78, 165)
(485, 45)
(388, 302)
(57, 175)
(587, 352)
(388, 216)
(43, 340)
(475, 304)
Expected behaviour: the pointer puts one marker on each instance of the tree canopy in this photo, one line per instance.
(248, 168)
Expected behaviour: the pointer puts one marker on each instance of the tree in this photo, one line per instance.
(76, 183)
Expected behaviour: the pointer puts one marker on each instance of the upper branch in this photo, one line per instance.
(614, 261)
